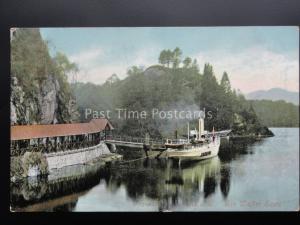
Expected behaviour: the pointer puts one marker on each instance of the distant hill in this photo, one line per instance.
(275, 94)
(276, 113)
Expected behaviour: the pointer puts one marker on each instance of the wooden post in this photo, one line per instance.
(47, 142)
(146, 149)
(55, 143)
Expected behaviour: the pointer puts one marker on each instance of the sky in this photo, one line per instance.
(255, 58)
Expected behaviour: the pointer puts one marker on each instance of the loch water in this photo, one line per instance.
(247, 175)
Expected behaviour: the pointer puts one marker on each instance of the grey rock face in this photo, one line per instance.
(48, 100)
(48, 105)
(16, 99)
(72, 110)
(13, 114)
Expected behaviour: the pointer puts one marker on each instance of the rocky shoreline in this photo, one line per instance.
(68, 170)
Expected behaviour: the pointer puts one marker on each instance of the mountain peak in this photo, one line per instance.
(275, 94)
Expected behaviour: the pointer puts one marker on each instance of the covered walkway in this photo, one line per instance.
(58, 137)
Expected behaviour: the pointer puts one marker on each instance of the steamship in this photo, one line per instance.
(198, 147)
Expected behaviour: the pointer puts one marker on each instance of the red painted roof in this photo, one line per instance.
(23, 132)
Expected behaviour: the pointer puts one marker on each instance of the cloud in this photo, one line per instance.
(254, 68)
(96, 65)
(87, 58)
(99, 74)
(249, 70)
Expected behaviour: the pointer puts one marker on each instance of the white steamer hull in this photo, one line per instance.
(197, 152)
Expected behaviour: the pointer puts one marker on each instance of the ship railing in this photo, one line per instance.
(176, 141)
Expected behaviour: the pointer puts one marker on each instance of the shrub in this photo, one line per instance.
(31, 159)
(16, 167)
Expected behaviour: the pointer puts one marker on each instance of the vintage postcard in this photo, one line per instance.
(154, 119)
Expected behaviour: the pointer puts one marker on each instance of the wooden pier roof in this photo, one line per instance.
(24, 132)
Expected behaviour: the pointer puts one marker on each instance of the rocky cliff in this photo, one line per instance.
(48, 106)
(39, 92)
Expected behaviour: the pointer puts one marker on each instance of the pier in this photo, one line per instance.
(128, 141)
(138, 142)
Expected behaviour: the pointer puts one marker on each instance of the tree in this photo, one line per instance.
(134, 70)
(63, 64)
(212, 98)
(169, 57)
(163, 57)
(195, 66)
(30, 59)
(225, 83)
(176, 59)
(166, 57)
(187, 62)
(112, 79)
(208, 73)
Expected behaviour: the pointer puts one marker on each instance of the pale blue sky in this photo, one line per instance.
(249, 54)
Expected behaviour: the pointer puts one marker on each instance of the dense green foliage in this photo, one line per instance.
(31, 62)
(276, 113)
(172, 88)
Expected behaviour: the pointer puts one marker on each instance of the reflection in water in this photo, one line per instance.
(31, 192)
(162, 180)
(68, 207)
(225, 181)
(209, 186)
(166, 182)
(237, 148)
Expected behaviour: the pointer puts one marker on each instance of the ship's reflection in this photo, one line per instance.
(162, 180)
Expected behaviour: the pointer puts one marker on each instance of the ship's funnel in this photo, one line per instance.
(201, 127)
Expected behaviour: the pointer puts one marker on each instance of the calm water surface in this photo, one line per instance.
(247, 175)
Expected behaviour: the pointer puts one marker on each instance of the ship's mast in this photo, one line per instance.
(188, 130)
(199, 130)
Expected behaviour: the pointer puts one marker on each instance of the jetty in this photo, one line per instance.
(60, 145)
(129, 141)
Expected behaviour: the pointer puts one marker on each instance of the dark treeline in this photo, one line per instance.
(173, 84)
(276, 113)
